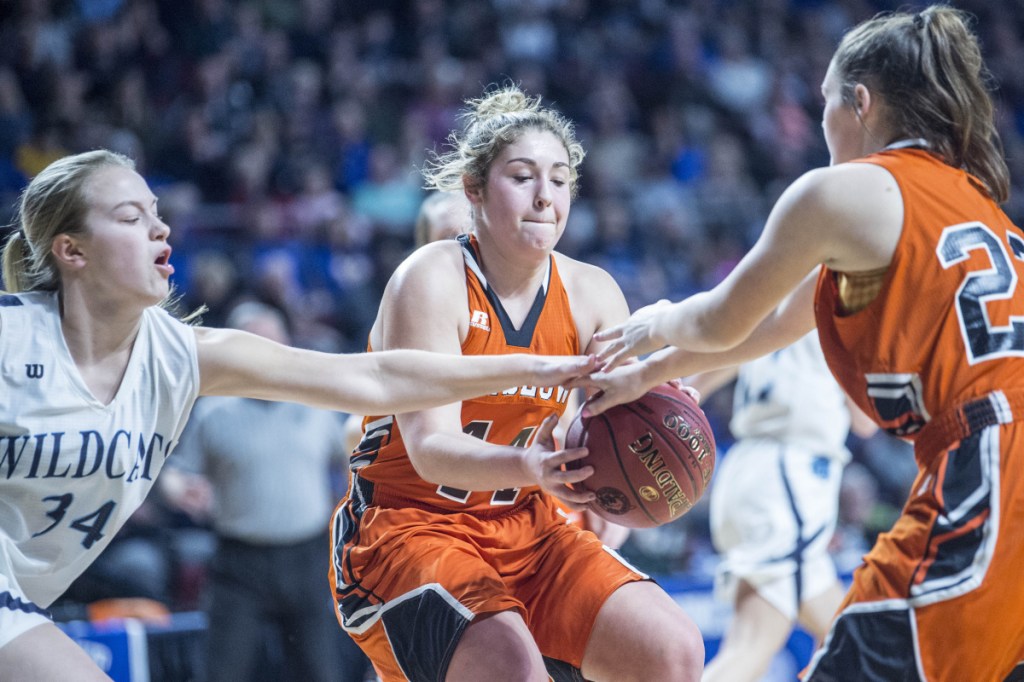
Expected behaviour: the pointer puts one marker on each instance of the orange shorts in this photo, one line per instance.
(577, 518)
(407, 581)
(940, 596)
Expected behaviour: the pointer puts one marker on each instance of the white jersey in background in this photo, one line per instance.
(791, 396)
(72, 470)
(775, 496)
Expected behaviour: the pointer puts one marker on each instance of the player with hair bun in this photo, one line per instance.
(452, 559)
(446, 215)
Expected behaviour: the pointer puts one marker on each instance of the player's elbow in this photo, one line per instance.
(424, 464)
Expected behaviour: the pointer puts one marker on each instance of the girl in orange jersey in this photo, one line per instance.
(452, 560)
(900, 254)
(446, 215)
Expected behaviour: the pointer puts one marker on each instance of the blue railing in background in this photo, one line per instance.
(129, 651)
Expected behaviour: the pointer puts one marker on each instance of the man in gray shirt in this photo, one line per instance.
(261, 472)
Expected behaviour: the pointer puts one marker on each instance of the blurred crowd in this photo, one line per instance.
(285, 137)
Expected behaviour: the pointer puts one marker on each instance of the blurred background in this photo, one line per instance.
(285, 137)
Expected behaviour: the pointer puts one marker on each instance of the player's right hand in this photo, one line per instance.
(546, 466)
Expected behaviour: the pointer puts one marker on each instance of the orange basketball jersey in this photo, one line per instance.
(950, 312)
(938, 357)
(382, 472)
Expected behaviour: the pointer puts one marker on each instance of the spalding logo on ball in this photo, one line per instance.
(652, 458)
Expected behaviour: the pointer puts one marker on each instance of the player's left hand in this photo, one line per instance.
(689, 390)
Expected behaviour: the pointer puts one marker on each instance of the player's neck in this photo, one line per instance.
(94, 329)
(513, 276)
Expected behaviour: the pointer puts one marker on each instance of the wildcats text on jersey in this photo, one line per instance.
(120, 455)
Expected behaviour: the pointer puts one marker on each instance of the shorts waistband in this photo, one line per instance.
(998, 407)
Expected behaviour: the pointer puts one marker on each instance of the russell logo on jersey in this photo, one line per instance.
(480, 320)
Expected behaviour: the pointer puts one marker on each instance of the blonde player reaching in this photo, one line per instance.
(98, 381)
(774, 503)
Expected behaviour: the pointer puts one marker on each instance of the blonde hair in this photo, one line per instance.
(53, 203)
(493, 122)
(928, 68)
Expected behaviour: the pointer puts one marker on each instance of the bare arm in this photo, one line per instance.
(708, 383)
(822, 218)
(233, 362)
(787, 323)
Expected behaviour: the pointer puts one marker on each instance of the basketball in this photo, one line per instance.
(652, 458)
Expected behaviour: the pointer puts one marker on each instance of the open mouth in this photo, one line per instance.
(163, 262)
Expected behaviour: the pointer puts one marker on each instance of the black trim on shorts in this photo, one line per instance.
(869, 646)
(798, 550)
(797, 555)
(960, 544)
(560, 671)
(954, 545)
(423, 632)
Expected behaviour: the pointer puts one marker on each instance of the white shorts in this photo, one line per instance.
(17, 614)
(773, 512)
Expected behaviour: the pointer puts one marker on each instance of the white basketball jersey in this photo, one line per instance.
(72, 470)
(792, 396)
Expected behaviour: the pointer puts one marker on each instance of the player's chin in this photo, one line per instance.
(157, 293)
(543, 238)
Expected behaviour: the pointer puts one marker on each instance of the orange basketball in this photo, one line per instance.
(652, 458)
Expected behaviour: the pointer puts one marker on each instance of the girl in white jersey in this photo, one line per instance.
(775, 502)
(97, 382)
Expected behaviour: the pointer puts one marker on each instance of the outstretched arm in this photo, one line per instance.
(707, 383)
(237, 363)
(787, 323)
(821, 218)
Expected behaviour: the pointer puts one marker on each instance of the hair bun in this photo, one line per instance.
(507, 100)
